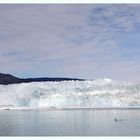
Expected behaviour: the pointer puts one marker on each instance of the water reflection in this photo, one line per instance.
(82, 122)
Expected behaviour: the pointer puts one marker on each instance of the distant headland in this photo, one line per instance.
(6, 79)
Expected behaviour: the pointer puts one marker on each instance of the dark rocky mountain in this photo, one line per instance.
(6, 79)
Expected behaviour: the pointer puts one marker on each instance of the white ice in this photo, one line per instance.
(100, 93)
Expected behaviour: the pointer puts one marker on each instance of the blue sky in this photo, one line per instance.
(69, 40)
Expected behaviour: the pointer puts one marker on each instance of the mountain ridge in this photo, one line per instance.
(6, 79)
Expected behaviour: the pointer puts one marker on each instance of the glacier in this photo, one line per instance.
(100, 93)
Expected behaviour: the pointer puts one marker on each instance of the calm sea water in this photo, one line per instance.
(74, 122)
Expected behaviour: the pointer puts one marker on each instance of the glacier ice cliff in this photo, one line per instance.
(100, 93)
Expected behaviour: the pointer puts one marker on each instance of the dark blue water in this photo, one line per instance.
(78, 122)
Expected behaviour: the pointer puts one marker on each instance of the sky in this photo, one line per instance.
(88, 41)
